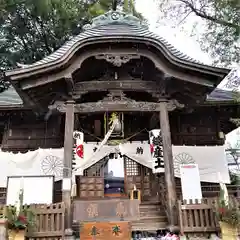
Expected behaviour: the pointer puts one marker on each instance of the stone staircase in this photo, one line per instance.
(152, 217)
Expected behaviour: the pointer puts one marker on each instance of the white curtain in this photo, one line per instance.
(39, 162)
(137, 151)
(90, 158)
(210, 159)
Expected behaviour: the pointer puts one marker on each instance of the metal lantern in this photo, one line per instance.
(118, 126)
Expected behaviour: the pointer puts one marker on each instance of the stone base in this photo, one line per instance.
(16, 235)
(228, 231)
(174, 229)
(3, 231)
(69, 234)
(69, 237)
(200, 236)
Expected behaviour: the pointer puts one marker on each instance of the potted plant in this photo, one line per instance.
(3, 233)
(229, 220)
(18, 219)
(228, 215)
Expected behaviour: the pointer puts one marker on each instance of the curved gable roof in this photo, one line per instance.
(220, 95)
(114, 25)
(114, 30)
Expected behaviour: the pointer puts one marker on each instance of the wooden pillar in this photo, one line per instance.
(67, 166)
(168, 165)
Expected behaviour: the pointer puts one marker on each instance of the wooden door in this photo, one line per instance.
(138, 175)
(91, 187)
(91, 184)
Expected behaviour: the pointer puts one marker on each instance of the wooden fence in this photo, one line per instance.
(211, 190)
(49, 221)
(198, 216)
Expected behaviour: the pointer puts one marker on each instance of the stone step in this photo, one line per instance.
(150, 209)
(150, 203)
(152, 226)
(153, 214)
(154, 207)
(153, 219)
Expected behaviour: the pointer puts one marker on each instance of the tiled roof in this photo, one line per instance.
(125, 27)
(111, 31)
(112, 25)
(10, 97)
(220, 95)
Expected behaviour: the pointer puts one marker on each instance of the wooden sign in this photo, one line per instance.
(106, 210)
(105, 230)
(190, 182)
(156, 148)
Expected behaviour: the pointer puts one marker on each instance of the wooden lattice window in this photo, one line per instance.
(132, 168)
(96, 170)
(146, 171)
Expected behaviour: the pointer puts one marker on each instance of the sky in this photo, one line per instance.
(175, 36)
(181, 40)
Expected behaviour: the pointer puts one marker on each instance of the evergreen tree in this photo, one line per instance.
(33, 29)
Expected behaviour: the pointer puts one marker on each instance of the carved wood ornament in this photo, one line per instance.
(122, 84)
(117, 59)
(117, 101)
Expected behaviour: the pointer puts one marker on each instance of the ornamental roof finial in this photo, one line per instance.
(116, 17)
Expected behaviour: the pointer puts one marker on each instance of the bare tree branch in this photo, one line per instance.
(184, 18)
(204, 15)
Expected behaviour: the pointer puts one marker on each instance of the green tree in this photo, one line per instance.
(33, 29)
(233, 152)
(221, 21)
(236, 97)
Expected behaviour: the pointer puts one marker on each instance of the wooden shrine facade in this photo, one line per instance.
(117, 65)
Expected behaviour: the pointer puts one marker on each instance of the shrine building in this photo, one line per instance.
(116, 109)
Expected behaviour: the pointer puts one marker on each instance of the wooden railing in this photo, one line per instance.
(198, 216)
(49, 221)
(3, 193)
(209, 191)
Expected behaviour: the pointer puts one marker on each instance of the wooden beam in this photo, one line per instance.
(76, 64)
(168, 164)
(43, 80)
(67, 165)
(70, 85)
(29, 102)
(117, 105)
(123, 84)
